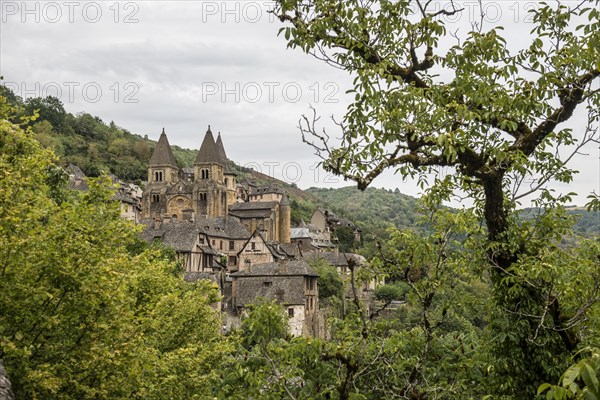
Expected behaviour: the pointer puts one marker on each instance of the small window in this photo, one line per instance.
(267, 284)
(220, 245)
(174, 216)
(226, 181)
(231, 245)
(180, 202)
(213, 242)
(290, 312)
(232, 260)
(253, 246)
(155, 198)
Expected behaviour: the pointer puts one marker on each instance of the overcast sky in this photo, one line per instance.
(183, 65)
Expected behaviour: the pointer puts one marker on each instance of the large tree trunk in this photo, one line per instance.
(5, 386)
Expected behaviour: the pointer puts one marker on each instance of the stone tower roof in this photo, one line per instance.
(285, 200)
(221, 153)
(162, 152)
(208, 151)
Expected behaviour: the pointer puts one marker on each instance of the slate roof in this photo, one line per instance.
(253, 209)
(299, 233)
(208, 150)
(251, 213)
(181, 235)
(221, 152)
(163, 155)
(290, 249)
(254, 205)
(317, 238)
(266, 190)
(279, 268)
(227, 227)
(333, 258)
(286, 287)
(196, 276)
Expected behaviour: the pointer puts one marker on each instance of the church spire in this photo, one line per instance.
(163, 155)
(208, 151)
(221, 153)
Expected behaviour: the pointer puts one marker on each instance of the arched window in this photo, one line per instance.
(174, 216)
(155, 198)
(226, 181)
(180, 202)
(158, 176)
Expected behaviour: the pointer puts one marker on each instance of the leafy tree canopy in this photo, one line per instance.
(88, 311)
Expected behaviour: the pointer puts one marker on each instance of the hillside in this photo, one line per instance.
(96, 147)
(375, 208)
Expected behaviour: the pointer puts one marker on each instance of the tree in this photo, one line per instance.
(345, 238)
(86, 312)
(330, 281)
(497, 122)
(48, 108)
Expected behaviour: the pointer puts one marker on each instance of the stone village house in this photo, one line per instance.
(291, 282)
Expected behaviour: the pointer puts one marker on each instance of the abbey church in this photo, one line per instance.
(209, 189)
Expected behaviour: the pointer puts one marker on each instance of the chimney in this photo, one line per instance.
(157, 223)
(282, 266)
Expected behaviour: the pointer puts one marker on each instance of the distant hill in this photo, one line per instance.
(372, 207)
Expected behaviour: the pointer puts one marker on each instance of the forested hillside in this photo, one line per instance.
(88, 142)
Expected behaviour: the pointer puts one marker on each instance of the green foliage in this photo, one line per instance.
(265, 322)
(330, 282)
(86, 311)
(580, 381)
(346, 239)
(392, 292)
